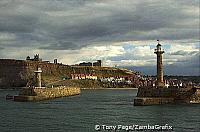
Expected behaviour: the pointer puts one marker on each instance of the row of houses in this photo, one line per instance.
(151, 81)
(135, 80)
(127, 79)
(83, 76)
(117, 79)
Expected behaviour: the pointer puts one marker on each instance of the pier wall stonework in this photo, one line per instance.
(155, 92)
(151, 96)
(152, 101)
(50, 92)
(196, 97)
(37, 94)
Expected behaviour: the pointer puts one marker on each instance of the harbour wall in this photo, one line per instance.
(195, 98)
(152, 96)
(38, 94)
(152, 101)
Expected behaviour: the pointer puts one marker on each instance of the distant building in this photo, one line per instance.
(55, 61)
(28, 58)
(97, 63)
(36, 58)
(117, 79)
(85, 64)
(83, 76)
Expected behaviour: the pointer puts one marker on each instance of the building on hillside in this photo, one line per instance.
(97, 63)
(36, 58)
(55, 61)
(85, 64)
(83, 77)
(118, 79)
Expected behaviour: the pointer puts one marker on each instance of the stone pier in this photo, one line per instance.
(38, 94)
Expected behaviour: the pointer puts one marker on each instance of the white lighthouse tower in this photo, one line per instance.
(159, 51)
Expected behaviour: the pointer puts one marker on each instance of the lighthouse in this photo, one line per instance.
(159, 51)
(38, 78)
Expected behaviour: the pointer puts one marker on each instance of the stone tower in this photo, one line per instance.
(38, 82)
(159, 52)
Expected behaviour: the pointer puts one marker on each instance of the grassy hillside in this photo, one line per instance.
(58, 76)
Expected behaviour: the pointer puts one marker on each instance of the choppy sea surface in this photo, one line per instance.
(90, 108)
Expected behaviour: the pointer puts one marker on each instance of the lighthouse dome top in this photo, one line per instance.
(158, 45)
(158, 48)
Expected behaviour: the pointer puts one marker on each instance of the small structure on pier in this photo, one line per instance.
(38, 80)
(38, 93)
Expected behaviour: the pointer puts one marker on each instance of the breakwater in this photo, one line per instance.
(152, 101)
(152, 96)
(38, 94)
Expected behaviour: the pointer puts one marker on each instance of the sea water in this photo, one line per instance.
(104, 108)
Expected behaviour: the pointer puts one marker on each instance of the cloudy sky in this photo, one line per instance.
(122, 33)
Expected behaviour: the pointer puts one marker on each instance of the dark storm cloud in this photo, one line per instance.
(190, 66)
(181, 52)
(17, 24)
(75, 24)
(61, 45)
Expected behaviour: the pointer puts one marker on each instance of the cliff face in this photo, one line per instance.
(17, 73)
(12, 73)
